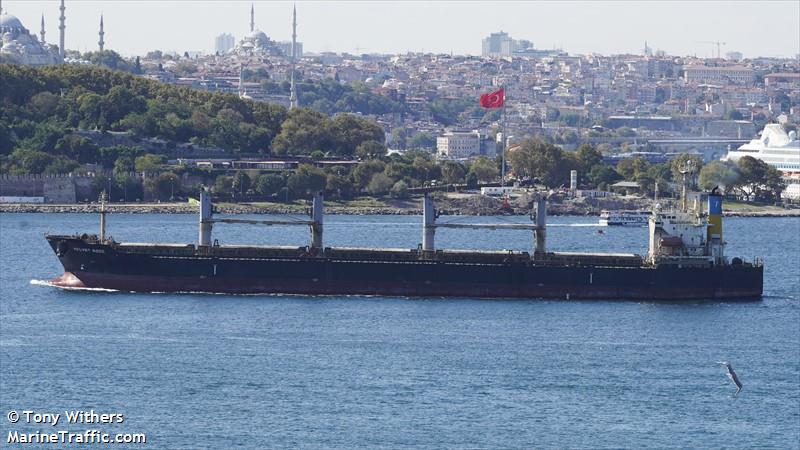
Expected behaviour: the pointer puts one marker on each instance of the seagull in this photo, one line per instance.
(732, 375)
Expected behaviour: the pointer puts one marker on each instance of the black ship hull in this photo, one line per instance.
(254, 270)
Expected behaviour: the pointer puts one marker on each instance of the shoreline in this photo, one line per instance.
(183, 208)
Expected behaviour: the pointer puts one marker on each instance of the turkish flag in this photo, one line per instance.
(493, 99)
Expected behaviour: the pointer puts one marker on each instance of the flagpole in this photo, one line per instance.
(503, 142)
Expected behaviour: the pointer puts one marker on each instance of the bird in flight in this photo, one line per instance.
(732, 376)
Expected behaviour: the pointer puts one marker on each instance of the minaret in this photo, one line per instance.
(241, 75)
(61, 28)
(101, 42)
(41, 33)
(292, 91)
(252, 18)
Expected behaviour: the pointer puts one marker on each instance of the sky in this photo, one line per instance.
(681, 28)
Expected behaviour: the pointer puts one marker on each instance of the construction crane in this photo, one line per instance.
(717, 43)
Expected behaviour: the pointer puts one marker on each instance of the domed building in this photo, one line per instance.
(256, 42)
(18, 45)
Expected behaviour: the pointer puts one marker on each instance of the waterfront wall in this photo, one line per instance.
(71, 188)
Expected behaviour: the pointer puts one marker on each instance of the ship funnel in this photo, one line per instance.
(316, 221)
(715, 242)
(206, 210)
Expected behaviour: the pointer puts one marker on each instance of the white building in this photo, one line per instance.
(224, 43)
(462, 145)
(778, 149)
(720, 75)
(501, 44)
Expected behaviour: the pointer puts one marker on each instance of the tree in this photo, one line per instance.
(543, 161)
(588, 157)
(30, 161)
(364, 172)
(241, 183)
(350, 131)
(123, 166)
(452, 172)
(399, 137)
(149, 163)
(421, 140)
(223, 185)
(269, 184)
(78, 148)
(305, 181)
(379, 184)
(398, 170)
(686, 161)
(302, 132)
(399, 190)
(632, 169)
(164, 186)
(370, 150)
(758, 180)
(108, 58)
(425, 169)
(471, 180)
(484, 169)
(717, 173)
(601, 174)
(44, 104)
(339, 186)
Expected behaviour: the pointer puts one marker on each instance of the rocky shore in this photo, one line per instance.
(470, 206)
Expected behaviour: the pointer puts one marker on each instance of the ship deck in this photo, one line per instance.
(398, 255)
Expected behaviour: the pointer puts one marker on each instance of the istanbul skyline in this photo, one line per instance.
(678, 28)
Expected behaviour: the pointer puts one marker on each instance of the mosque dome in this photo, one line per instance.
(20, 46)
(258, 37)
(10, 23)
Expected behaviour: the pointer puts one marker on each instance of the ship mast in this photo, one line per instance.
(103, 197)
(688, 167)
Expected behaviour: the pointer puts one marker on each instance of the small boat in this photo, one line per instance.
(624, 218)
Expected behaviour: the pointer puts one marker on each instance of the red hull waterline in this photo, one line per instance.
(150, 284)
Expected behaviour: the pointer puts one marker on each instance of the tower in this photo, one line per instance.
(41, 32)
(100, 43)
(61, 28)
(241, 75)
(252, 18)
(292, 91)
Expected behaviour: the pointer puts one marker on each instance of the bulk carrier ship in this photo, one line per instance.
(685, 261)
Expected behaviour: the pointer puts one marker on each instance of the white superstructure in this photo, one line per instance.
(624, 218)
(778, 149)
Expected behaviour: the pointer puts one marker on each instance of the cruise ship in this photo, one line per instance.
(778, 149)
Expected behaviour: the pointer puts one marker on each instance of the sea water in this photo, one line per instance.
(217, 371)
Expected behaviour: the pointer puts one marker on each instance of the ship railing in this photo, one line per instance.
(263, 222)
(490, 226)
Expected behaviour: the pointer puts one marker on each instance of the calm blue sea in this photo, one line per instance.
(211, 371)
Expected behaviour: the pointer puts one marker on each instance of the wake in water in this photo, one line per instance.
(573, 225)
(49, 283)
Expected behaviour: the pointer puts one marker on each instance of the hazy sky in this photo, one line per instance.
(755, 28)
